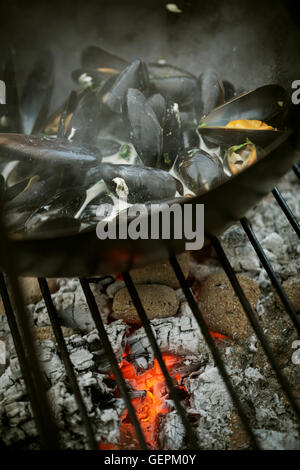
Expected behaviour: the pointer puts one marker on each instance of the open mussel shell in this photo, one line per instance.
(137, 183)
(198, 170)
(226, 137)
(268, 104)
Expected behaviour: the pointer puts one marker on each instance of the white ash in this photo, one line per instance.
(178, 335)
(87, 355)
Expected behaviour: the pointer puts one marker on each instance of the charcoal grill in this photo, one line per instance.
(18, 317)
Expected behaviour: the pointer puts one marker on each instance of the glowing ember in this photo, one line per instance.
(148, 408)
(150, 405)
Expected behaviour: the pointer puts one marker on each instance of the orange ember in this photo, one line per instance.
(149, 407)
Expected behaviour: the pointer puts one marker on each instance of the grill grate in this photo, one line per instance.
(22, 336)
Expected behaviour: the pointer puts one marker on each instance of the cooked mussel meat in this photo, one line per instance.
(240, 157)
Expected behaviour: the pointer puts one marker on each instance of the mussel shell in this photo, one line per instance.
(267, 103)
(210, 92)
(143, 183)
(40, 148)
(95, 57)
(35, 100)
(64, 204)
(158, 104)
(172, 136)
(85, 123)
(198, 170)
(134, 76)
(33, 197)
(92, 214)
(180, 89)
(164, 70)
(146, 133)
(226, 137)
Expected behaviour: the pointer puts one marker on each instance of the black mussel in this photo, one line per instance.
(99, 208)
(180, 89)
(134, 76)
(172, 136)
(36, 193)
(198, 170)
(95, 57)
(85, 123)
(63, 113)
(138, 184)
(12, 191)
(164, 70)
(40, 148)
(210, 92)
(64, 204)
(35, 100)
(251, 115)
(14, 221)
(146, 133)
(158, 104)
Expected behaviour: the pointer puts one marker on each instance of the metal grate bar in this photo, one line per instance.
(286, 209)
(192, 440)
(20, 322)
(216, 355)
(268, 267)
(67, 362)
(113, 360)
(48, 441)
(296, 169)
(255, 324)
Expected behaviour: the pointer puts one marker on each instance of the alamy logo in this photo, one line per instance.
(2, 92)
(154, 221)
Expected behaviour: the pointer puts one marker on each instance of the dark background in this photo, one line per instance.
(248, 42)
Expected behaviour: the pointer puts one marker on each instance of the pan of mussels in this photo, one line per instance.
(152, 132)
